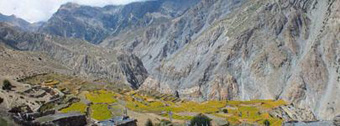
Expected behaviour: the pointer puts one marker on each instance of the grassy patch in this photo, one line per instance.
(100, 112)
(273, 104)
(75, 107)
(252, 112)
(206, 107)
(101, 96)
(233, 120)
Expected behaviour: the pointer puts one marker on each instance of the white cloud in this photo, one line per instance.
(42, 10)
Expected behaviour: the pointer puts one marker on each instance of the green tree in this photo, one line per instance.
(148, 123)
(7, 85)
(225, 110)
(266, 122)
(200, 120)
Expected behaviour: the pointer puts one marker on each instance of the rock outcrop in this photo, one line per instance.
(336, 120)
(292, 113)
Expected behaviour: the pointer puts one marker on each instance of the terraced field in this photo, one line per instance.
(102, 104)
(235, 112)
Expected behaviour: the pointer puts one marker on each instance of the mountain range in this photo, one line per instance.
(199, 49)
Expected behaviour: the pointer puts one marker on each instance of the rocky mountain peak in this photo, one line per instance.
(15, 21)
(94, 24)
(69, 6)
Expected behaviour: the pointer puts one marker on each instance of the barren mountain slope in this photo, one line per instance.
(17, 64)
(264, 49)
(94, 24)
(79, 56)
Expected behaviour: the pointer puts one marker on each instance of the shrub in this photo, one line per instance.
(266, 122)
(200, 120)
(225, 110)
(7, 85)
(1, 100)
(148, 123)
(176, 94)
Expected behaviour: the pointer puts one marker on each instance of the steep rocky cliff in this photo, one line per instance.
(258, 49)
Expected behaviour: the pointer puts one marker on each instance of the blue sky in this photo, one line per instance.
(42, 10)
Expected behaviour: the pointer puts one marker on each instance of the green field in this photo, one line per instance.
(76, 107)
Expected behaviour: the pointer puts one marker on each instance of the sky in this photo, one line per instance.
(41, 10)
